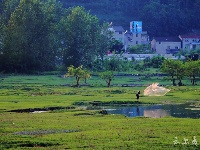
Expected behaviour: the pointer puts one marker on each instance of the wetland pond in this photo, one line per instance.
(155, 111)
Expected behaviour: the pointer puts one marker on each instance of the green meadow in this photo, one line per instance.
(75, 127)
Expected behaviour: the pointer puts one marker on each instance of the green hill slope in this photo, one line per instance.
(160, 17)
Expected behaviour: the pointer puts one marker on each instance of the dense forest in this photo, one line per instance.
(160, 17)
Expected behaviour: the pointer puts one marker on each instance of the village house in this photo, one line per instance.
(159, 45)
(129, 38)
(166, 45)
(190, 41)
(132, 39)
(118, 33)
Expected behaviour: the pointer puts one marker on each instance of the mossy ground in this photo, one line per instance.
(83, 129)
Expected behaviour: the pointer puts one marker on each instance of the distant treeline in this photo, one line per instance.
(160, 17)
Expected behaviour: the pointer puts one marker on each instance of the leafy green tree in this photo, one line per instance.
(193, 70)
(108, 76)
(137, 49)
(157, 61)
(116, 46)
(7, 7)
(104, 43)
(180, 71)
(79, 73)
(86, 74)
(147, 62)
(175, 68)
(31, 42)
(82, 31)
(117, 62)
(111, 63)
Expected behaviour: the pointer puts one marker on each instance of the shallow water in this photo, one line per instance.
(156, 111)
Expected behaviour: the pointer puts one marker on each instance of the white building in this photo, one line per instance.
(166, 45)
(190, 41)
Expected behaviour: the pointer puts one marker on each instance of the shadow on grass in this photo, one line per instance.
(18, 144)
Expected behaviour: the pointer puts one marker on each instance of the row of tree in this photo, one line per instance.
(39, 35)
(83, 74)
(177, 70)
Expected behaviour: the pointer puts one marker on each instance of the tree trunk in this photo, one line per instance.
(180, 83)
(193, 80)
(108, 82)
(77, 81)
(173, 81)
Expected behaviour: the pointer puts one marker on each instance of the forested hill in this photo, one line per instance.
(160, 17)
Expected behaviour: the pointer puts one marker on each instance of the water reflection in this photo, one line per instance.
(155, 111)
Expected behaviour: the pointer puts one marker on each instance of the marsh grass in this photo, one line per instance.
(94, 130)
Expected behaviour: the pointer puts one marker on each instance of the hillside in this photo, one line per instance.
(160, 17)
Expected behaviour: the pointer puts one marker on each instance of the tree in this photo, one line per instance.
(82, 31)
(31, 42)
(116, 46)
(137, 49)
(175, 68)
(7, 7)
(180, 72)
(117, 62)
(108, 76)
(104, 43)
(79, 73)
(157, 61)
(193, 70)
(86, 74)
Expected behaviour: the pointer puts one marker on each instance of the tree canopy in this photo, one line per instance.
(29, 39)
(39, 35)
(81, 37)
(178, 70)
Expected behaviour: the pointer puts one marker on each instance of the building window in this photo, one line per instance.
(136, 35)
(120, 32)
(176, 47)
(159, 42)
(136, 42)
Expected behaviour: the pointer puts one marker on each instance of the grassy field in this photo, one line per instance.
(78, 128)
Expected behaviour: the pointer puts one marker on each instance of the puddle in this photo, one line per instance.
(41, 110)
(38, 112)
(155, 111)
